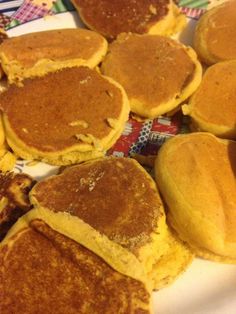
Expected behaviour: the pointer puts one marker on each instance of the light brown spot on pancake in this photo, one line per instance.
(112, 122)
(81, 123)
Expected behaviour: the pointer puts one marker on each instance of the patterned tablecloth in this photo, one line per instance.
(142, 138)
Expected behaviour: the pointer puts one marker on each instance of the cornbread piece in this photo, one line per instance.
(212, 108)
(14, 201)
(111, 18)
(112, 206)
(72, 115)
(214, 38)
(157, 72)
(196, 176)
(38, 263)
(36, 54)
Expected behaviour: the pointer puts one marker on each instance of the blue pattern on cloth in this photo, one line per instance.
(142, 140)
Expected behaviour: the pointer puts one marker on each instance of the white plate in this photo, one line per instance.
(206, 287)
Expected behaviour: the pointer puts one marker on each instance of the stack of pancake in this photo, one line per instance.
(7, 158)
(196, 172)
(98, 226)
(101, 225)
(60, 110)
(64, 117)
(212, 108)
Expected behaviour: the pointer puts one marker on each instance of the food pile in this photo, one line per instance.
(103, 233)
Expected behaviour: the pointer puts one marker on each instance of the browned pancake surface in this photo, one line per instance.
(45, 111)
(54, 45)
(114, 17)
(42, 271)
(112, 195)
(215, 100)
(220, 35)
(151, 68)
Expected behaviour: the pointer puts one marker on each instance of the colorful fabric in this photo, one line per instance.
(30, 11)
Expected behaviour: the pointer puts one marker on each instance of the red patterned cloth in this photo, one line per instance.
(30, 11)
(145, 138)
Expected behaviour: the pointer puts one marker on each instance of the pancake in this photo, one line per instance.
(7, 158)
(36, 54)
(214, 38)
(111, 18)
(157, 72)
(196, 176)
(112, 206)
(72, 115)
(212, 108)
(38, 263)
(14, 201)
(3, 36)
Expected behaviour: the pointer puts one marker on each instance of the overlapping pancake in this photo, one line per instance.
(112, 206)
(42, 271)
(3, 36)
(7, 158)
(212, 108)
(157, 72)
(14, 201)
(65, 117)
(111, 18)
(36, 54)
(196, 175)
(214, 38)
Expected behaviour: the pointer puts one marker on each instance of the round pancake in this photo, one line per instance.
(38, 263)
(7, 158)
(212, 107)
(136, 221)
(48, 51)
(111, 18)
(214, 38)
(196, 176)
(64, 117)
(157, 72)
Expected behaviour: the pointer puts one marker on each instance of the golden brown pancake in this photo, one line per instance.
(14, 201)
(42, 271)
(36, 54)
(157, 72)
(64, 117)
(3, 36)
(212, 108)
(196, 176)
(111, 18)
(214, 38)
(112, 207)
